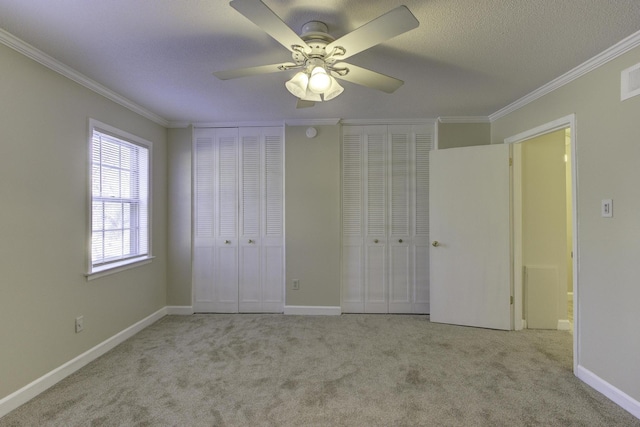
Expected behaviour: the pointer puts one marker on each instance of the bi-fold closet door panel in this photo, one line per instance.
(385, 206)
(215, 255)
(238, 263)
(261, 244)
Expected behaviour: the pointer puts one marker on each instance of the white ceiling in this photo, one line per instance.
(467, 57)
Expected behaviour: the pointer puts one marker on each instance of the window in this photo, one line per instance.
(120, 203)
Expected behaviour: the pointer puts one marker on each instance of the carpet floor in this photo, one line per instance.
(349, 370)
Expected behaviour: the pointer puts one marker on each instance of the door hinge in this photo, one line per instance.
(511, 299)
(510, 161)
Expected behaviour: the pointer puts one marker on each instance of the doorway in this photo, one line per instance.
(544, 228)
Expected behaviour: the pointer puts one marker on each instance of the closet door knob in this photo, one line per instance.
(227, 242)
(251, 241)
(375, 241)
(400, 241)
(435, 243)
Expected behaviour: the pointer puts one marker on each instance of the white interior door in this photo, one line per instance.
(469, 200)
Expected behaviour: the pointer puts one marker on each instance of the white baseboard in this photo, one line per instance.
(619, 397)
(564, 325)
(308, 310)
(180, 310)
(31, 390)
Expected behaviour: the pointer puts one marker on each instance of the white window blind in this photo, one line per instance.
(119, 201)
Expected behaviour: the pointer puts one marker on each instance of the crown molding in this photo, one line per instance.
(462, 119)
(362, 122)
(274, 123)
(311, 122)
(37, 55)
(178, 125)
(597, 61)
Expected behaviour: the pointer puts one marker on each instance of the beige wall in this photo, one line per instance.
(43, 219)
(608, 153)
(179, 212)
(312, 212)
(452, 135)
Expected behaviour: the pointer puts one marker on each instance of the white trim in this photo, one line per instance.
(31, 390)
(37, 55)
(463, 119)
(561, 123)
(619, 397)
(609, 54)
(362, 122)
(564, 325)
(256, 124)
(179, 310)
(311, 122)
(307, 310)
(118, 267)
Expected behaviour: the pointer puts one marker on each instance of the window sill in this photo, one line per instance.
(118, 267)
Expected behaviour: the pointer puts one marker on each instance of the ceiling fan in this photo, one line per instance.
(319, 56)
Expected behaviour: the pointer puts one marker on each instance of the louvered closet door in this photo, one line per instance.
(375, 219)
(352, 223)
(215, 258)
(401, 200)
(385, 234)
(261, 249)
(272, 221)
(409, 219)
(423, 137)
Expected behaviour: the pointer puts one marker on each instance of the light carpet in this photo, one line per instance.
(349, 370)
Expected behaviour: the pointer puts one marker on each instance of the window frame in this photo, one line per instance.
(99, 270)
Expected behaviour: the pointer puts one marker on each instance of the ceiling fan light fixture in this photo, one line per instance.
(298, 85)
(311, 96)
(334, 90)
(319, 81)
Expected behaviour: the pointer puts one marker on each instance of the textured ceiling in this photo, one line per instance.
(467, 57)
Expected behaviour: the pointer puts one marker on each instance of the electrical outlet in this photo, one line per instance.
(79, 324)
(296, 284)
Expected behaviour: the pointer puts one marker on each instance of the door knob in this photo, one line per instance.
(400, 241)
(375, 241)
(227, 242)
(251, 241)
(435, 243)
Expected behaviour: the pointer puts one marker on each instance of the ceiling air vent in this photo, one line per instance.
(630, 82)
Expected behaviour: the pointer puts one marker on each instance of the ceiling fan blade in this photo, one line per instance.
(391, 24)
(260, 14)
(368, 78)
(252, 71)
(304, 104)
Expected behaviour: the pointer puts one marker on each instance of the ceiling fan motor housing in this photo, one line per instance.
(315, 35)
